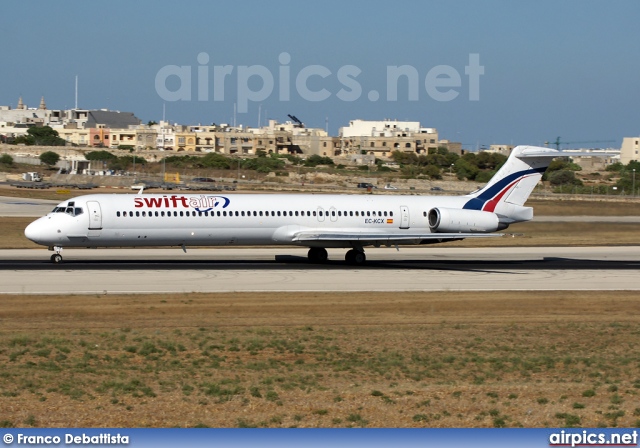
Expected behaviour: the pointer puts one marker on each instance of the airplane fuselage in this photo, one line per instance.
(117, 220)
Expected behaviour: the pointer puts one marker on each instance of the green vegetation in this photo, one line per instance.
(49, 158)
(6, 160)
(40, 135)
(471, 166)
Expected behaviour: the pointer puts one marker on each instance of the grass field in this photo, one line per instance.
(442, 359)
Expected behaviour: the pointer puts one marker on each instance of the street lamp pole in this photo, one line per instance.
(633, 187)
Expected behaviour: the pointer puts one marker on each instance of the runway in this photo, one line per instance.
(109, 271)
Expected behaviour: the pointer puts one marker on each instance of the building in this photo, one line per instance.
(629, 150)
(500, 149)
(381, 138)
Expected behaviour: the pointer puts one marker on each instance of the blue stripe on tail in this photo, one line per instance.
(479, 201)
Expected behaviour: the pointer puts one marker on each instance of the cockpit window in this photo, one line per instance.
(73, 211)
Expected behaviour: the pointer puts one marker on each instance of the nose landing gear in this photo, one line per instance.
(56, 258)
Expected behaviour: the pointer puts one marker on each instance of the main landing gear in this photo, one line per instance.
(354, 257)
(317, 255)
(56, 258)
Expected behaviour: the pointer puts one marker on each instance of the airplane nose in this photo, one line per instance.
(34, 231)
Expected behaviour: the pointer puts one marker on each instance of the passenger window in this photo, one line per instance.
(218, 213)
(237, 214)
(368, 213)
(314, 213)
(144, 214)
(296, 213)
(130, 213)
(185, 212)
(260, 212)
(391, 214)
(176, 214)
(118, 214)
(137, 214)
(333, 213)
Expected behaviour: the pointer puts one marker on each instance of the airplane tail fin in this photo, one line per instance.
(510, 187)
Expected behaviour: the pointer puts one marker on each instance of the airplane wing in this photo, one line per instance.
(387, 238)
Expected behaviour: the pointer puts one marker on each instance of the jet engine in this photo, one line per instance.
(453, 220)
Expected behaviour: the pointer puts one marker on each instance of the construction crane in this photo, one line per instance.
(300, 124)
(558, 142)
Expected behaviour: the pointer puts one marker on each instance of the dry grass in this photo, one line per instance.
(329, 360)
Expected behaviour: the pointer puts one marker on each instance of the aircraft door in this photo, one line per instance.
(95, 215)
(320, 214)
(404, 217)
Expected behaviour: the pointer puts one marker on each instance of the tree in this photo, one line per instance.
(6, 160)
(564, 177)
(433, 172)
(45, 136)
(316, 160)
(465, 169)
(99, 155)
(49, 158)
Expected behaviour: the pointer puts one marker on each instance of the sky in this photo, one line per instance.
(480, 72)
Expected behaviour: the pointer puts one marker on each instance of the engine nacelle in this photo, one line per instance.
(454, 220)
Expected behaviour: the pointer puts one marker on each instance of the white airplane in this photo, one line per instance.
(316, 221)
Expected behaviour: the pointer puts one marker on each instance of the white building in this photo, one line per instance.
(385, 128)
(630, 149)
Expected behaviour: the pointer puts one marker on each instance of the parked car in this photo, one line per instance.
(390, 187)
(202, 179)
(366, 185)
(436, 189)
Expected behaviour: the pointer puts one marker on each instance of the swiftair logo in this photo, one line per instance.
(174, 201)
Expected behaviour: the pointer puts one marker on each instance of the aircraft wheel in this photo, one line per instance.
(359, 258)
(355, 257)
(318, 255)
(56, 258)
(349, 257)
